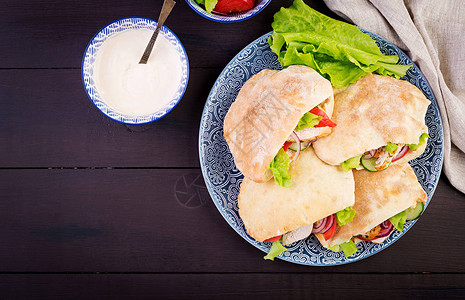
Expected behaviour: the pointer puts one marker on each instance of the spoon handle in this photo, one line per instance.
(165, 11)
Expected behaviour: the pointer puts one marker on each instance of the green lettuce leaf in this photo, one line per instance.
(308, 120)
(349, 248)
(391, 147)
(345, 216)
(399, 220)
(351, 163)
(209, 4)
(423, 138)
(280, 167)
(335, 248)
(276, 249)
(337, 50)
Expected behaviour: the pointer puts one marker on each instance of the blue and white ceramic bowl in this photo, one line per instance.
(91, 53)
(230, 18)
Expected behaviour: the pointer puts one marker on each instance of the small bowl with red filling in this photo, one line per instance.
(228, 11)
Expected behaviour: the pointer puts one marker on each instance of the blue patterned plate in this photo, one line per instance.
(223, 179)
(91, 53)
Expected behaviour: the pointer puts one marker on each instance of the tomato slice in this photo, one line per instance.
(328, 234)
(325, 121)
(230, 6)
(286, 145)
(273, 238)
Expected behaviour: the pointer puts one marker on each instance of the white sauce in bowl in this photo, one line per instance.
(129, 87)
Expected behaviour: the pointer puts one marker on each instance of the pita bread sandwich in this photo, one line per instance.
(381, 120)
(384, 201)
(272, 213)
(273, 112)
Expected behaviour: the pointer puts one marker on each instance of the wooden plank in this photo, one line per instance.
(46, 34)
(145, 221)
(47, 120)
(233, 286)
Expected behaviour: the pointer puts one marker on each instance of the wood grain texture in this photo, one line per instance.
(47, 120)
(144, 209)
(140, 221)
(233, 286)
(54, 33)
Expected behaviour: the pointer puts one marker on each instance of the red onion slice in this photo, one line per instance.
(319, 225)
(401, 153)
(312, 141)
(219, 13)
(386, 229)
(370, 154)
(297, 140)
(329, 223)
(367, 155)
(384, 232)
(386, 224)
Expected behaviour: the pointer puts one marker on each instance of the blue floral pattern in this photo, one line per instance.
(91, 53)
(223, 179)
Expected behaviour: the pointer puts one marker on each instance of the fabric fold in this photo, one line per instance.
(432, 33)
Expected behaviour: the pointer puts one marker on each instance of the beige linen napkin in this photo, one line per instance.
(432, 33)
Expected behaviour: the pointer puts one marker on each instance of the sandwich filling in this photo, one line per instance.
(312, 125)
(326, 226)
(381, 232)
(379, 159)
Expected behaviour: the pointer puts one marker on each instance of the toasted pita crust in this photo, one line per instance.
(378, 196)
(266, 111)
(318, 190)
(371, 112)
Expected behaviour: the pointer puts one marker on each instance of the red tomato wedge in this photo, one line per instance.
(328, 234)
(231, 6)
(273, 238)
(286, 145)
(325, 121)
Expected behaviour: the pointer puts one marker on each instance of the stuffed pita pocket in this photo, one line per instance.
(381, 120)
(272, 213)
(274, 109)
(384, 201)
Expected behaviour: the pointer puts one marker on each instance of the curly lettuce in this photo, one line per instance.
(345, 216)
(339, 51)
(399, 220)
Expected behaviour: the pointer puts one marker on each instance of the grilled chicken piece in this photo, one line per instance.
(297, 234)
(372, 233)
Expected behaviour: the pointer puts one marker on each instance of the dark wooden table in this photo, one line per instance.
(92, 209)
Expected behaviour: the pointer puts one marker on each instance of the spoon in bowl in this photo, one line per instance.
(165, 11)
